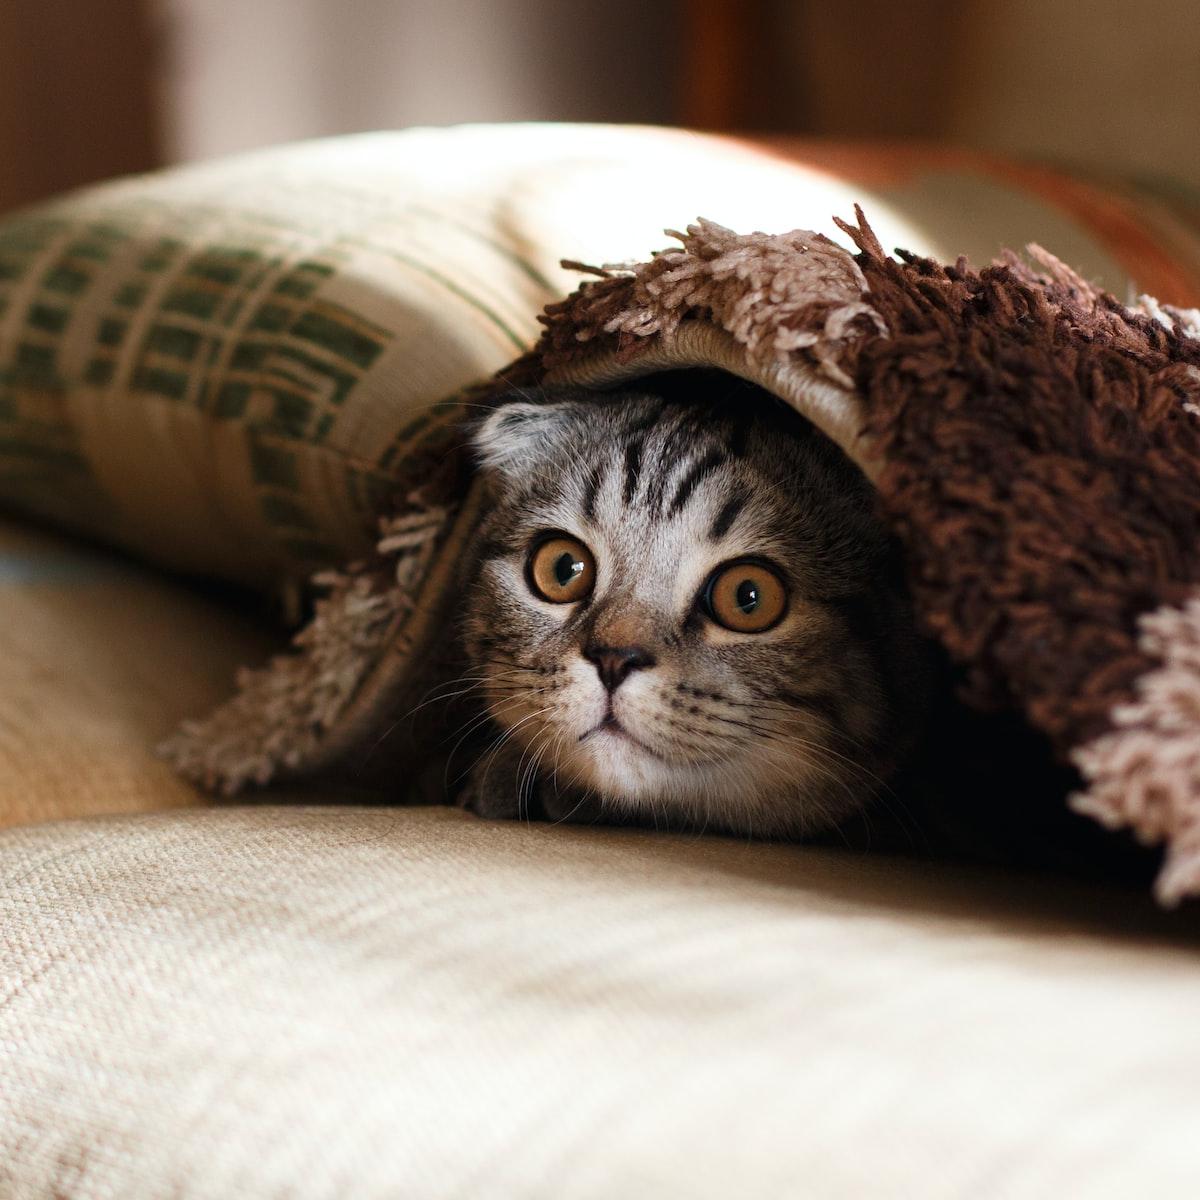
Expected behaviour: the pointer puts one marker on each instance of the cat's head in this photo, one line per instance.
(688, 609)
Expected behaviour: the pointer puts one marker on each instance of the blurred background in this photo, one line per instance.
(94, 88)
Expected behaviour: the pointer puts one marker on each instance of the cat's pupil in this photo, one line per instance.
(566, 567)
(747, 596)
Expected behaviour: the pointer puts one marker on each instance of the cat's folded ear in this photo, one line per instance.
(524, 432)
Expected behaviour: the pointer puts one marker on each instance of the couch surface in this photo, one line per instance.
(324, 1002)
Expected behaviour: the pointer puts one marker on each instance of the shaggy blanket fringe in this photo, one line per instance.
(776, 294)
(282, 714)
(1036, 448)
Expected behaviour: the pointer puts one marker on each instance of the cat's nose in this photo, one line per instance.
(614, 663)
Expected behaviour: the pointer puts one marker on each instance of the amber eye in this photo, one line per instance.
(746, 597)
(561, 569)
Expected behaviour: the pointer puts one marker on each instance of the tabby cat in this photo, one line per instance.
(682, 610)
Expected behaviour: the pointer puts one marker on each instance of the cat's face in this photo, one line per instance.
(686, 611)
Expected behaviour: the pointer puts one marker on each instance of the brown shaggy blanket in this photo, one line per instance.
(1035, 445)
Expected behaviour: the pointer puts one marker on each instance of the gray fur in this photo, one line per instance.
(778, 733)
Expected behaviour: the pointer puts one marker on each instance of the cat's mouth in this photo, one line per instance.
(610, 725)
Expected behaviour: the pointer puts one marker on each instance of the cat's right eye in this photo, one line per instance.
(561, 569)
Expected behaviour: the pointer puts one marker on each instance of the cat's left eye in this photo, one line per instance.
(746, 597)
(561, 569)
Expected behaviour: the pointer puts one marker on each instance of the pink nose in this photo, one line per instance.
(614, 663)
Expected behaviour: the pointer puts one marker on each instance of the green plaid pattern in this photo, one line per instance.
(181, 312)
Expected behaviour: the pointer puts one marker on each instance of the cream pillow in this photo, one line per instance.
(230, 367)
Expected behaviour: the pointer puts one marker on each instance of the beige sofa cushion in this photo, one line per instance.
(321, 1003)
(230, 367)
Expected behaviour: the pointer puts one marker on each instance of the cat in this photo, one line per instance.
(682, 610)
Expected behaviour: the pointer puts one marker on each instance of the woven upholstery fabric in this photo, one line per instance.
(320, 1003)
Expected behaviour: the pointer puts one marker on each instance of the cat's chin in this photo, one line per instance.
(632, 778)
(618, 764)
(610, 736)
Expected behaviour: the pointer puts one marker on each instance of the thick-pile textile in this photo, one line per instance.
(1036, 448)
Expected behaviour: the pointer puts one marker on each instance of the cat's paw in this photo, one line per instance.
(490, 790)
(500, 791)
(485, 798)
(574, 808)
